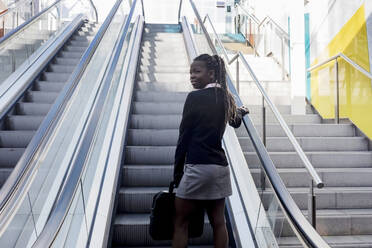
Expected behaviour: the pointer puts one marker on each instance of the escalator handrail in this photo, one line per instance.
(94, 9)
(23, 25)
(15, 178)
(310, 168)
(71, 184)
(304, 231)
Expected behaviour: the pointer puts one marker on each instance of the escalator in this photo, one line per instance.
(161, 89)
(125, 152)
(20, 123)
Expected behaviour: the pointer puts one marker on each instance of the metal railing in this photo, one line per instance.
(14, 10)
(315, 178)
(74, 179)
(337, 88)
(260, 37)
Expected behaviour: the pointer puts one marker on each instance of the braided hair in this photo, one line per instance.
(216, 64)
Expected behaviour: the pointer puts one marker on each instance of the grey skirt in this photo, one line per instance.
(204, 182)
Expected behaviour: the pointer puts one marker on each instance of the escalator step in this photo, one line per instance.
(10, 156)
(133, 230)
(4, 174)
(41, 97)
(15, 139)
(30, 108)
(55, 76)
(66, 61)
(48, 86)
(23, 122)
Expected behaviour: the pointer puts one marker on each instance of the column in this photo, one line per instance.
(298, 71)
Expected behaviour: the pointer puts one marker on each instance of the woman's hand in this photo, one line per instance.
(243, 110)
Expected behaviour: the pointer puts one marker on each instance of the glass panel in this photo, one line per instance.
(271, 226)
(19, 48)
(93, 174)
(55, 155)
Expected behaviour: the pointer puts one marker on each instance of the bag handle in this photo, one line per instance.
(171, 186)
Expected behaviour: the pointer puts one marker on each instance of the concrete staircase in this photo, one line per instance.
(20, 124)
(344, 162)
(160, 92)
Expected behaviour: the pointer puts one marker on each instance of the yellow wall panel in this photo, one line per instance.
(355, 88)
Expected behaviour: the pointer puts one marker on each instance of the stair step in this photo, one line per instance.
(62, 68)
(9, 157)
(137, 199)
(4, 174)
(30, 108)
(355, 159)
(138, 175)
(79, 49)
(48, 86)
(165, 96)
(340, 241)
(278, 144)
(15, 139)
(157, 108)
(336, 222)
(67, 61)
(23, 122)
(328, 197)
(332, 177)
(41, 96)
(164, 77)
(133, 230)
(152, 137)
(164, 86)
(304, 130)
(70, 55)
(164, 61)
(164, 69)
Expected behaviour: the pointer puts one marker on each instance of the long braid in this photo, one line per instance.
(217, 64)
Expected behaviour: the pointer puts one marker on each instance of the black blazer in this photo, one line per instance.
(201, 130)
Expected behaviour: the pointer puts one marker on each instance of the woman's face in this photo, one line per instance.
(200, 76)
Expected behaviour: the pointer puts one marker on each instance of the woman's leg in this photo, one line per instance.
(184, 208)
(216, 214)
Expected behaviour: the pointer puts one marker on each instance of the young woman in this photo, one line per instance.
(200, 170)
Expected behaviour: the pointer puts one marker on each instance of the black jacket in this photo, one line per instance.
(201, 130)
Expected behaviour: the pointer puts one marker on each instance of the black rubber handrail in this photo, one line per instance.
(71, 184)
(302, 228)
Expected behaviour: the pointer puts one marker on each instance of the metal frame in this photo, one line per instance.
(283, 35)
(23, 25)
(337, 93)
(305, 232)
(71, 184)
(112, 162)
(21, 168)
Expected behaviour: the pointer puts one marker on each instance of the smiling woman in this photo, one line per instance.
(201, 170)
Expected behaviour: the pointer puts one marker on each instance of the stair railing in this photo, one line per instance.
(315, 178)
(260, 30)
(337, 88)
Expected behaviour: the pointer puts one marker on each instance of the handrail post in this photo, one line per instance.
(262, 173)
(143, 9)
(282, 53)
(179, 11)
(311, 209)
(237, 75)
(337, 100)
